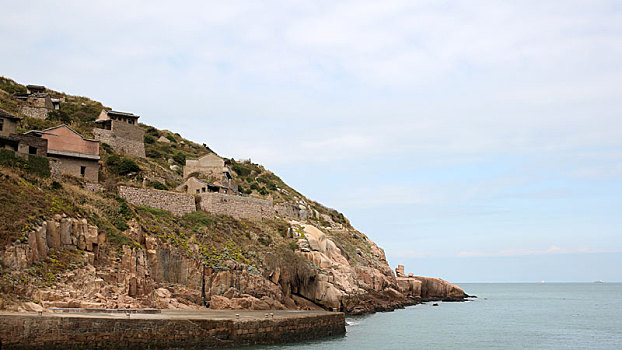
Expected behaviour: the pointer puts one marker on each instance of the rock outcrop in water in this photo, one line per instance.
(427, 288)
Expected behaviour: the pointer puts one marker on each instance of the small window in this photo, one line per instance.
(32, 150)
(82, 170)
(198, 191)
(1, 123)
(203, 189)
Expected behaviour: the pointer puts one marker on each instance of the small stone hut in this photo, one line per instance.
(121, 131)
(23, 144)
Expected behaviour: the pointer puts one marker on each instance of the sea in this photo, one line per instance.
(503, 316)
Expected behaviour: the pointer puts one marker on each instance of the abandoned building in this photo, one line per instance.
(35, 89)
(8, 123)
(198, 186)
(70, 153)
(23, 144)
(38, 102)
(120, 130)
(214, 167)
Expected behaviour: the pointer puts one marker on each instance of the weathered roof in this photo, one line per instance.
(35, 87)
(5, 114)
(123, 114)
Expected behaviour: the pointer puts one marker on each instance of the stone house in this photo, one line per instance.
(38, 102)
(23, 144)
(8, 123)
(121, 131)
(70, 153)
(198, 186)
(213, 166)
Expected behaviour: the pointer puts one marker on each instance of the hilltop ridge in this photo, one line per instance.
(169, 224)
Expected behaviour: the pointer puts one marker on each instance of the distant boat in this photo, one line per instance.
(599, 281)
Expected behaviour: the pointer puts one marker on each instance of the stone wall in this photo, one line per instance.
(291, 211)
(50, 331)
(34, 112)
(93, 187)
(123, 138)
(177, 203)
(236, 206)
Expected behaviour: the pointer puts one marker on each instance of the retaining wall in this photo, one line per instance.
(34, 112)
(31, 331)
(177, 203)
(236, 206)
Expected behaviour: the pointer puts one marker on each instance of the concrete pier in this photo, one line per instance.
(182, 329)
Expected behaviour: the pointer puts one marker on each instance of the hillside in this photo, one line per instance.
(69, 242)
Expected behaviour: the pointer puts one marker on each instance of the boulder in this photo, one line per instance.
(432, 287)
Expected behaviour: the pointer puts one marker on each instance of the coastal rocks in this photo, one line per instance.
(240, 281)
(427, 288)
(366, 287)
(59, 233)
(436, 288)
(409, 286)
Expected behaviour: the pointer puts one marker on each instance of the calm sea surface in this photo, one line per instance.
(504, 316)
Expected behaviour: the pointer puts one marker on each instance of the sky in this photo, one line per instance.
(476, 141)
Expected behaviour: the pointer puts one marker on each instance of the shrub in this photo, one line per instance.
(35, 165)
(293, 246)
(171, 138)
(56, 185)
(198, 219)
(153, 153)
(265, 240)
(107, 147)
(180, 158)
(121, 165)
(60, 116)
(157, 185)
(152, 132)
(149, 139)
(124, 209)
(8, 158)
(241, 170)
(38, 165)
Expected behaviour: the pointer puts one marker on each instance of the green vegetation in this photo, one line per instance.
(11, 86)
(36, 165)
(157, 185)
(121, 165)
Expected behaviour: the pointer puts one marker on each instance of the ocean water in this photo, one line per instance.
(504, 316)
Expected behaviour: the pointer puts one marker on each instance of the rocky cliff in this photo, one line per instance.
(68, 243)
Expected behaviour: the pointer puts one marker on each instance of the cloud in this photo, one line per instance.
(526, 252)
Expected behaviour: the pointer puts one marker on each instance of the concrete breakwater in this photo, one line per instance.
(183, 329)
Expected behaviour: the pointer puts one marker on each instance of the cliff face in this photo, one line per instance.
(67, 243)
